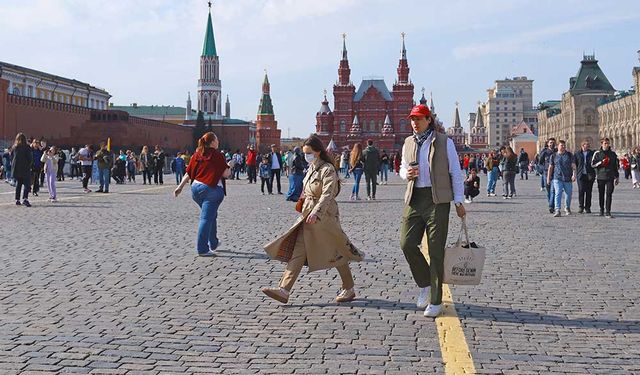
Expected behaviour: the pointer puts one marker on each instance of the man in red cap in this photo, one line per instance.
(434, 179)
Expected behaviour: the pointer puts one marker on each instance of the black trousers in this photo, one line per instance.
(86, 175)
(265, 181)
(275, 174)
(372, 182)
(146, 175)
(605, 192)
(35, 177)
(22, 183)
(585, 188)
(251, 171)
(471, 192)
(60, 174)
(158, 175)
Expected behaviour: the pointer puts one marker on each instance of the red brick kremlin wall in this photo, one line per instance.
(69, 125)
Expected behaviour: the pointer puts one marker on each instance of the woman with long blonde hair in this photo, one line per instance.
(356, 167)
(206, 169)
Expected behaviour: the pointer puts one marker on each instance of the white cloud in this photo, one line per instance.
(529, 42)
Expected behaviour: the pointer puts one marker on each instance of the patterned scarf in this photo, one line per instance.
(422, 137)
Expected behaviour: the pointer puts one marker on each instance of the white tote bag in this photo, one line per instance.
(464, 261)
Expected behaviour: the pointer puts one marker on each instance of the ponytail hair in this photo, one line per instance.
(205, 141)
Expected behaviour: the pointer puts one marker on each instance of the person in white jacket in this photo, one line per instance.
(50, 162)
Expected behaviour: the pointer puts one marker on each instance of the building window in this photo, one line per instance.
(92, 104)
(372, 126)
(403, 125)
(16, 91)
(343, 126)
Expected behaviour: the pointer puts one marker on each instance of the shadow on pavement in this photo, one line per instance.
(363, 303)
(508, 315)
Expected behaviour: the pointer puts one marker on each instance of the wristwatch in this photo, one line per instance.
(459, 204)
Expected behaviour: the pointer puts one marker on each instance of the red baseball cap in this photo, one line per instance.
(420, 110)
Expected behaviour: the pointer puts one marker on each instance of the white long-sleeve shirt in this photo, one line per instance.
(424, 177)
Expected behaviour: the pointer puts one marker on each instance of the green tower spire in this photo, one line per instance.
(266, 107)
(209, 48)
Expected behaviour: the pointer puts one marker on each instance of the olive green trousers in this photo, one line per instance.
(422, 216)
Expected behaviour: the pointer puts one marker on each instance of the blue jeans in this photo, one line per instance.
(357, 176)
(208, 199)
(384, 173)
(491, 181)
(104, 175)
(295, 187)
(551, 195)
(559, 187)
(7, 171)
(179, 176)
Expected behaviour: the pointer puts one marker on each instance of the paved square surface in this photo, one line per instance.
(110, 284)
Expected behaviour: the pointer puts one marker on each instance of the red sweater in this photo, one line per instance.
(207, 167)
(251, 158)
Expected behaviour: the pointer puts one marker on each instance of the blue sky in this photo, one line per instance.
(147, 51)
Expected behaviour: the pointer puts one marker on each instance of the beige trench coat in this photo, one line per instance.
(325, 243)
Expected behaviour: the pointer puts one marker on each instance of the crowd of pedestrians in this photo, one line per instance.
(30, 164)
(434, 173)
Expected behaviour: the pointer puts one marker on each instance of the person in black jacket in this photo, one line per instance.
(158, 172)
(21, 168)
(606, 164)
(523, 164)
(275, 163)
(586, 175)
(296, 175)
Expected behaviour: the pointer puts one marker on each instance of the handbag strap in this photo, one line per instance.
(465, 230)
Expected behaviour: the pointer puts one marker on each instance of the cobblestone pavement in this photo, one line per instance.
(110, 284)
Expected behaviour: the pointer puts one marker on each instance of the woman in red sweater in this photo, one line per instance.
(206, 169)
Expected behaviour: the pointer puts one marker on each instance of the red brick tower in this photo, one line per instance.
(267, 132)
(343, 92)
(402, 98)
(324, 120)
(456, 132)
(5, 136)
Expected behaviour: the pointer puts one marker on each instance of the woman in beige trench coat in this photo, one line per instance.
(316, 239)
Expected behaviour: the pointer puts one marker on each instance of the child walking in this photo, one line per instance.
(50, 161)
(265, 175)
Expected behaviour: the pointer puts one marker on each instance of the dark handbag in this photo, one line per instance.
(299, 204)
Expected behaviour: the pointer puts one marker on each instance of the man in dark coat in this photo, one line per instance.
(606, 164)
(371, 160)
(586, 175)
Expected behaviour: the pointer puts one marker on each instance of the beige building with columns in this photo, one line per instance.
(620, 117)
(592, 109)
(575, 117)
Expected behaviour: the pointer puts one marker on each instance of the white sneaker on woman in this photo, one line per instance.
(423, 297)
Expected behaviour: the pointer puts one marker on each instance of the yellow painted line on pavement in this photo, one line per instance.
(453, 345)
(91, 195)
(454, 349)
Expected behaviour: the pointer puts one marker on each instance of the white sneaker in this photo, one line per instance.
(467, 200)
(423, 297)
(433, 311)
